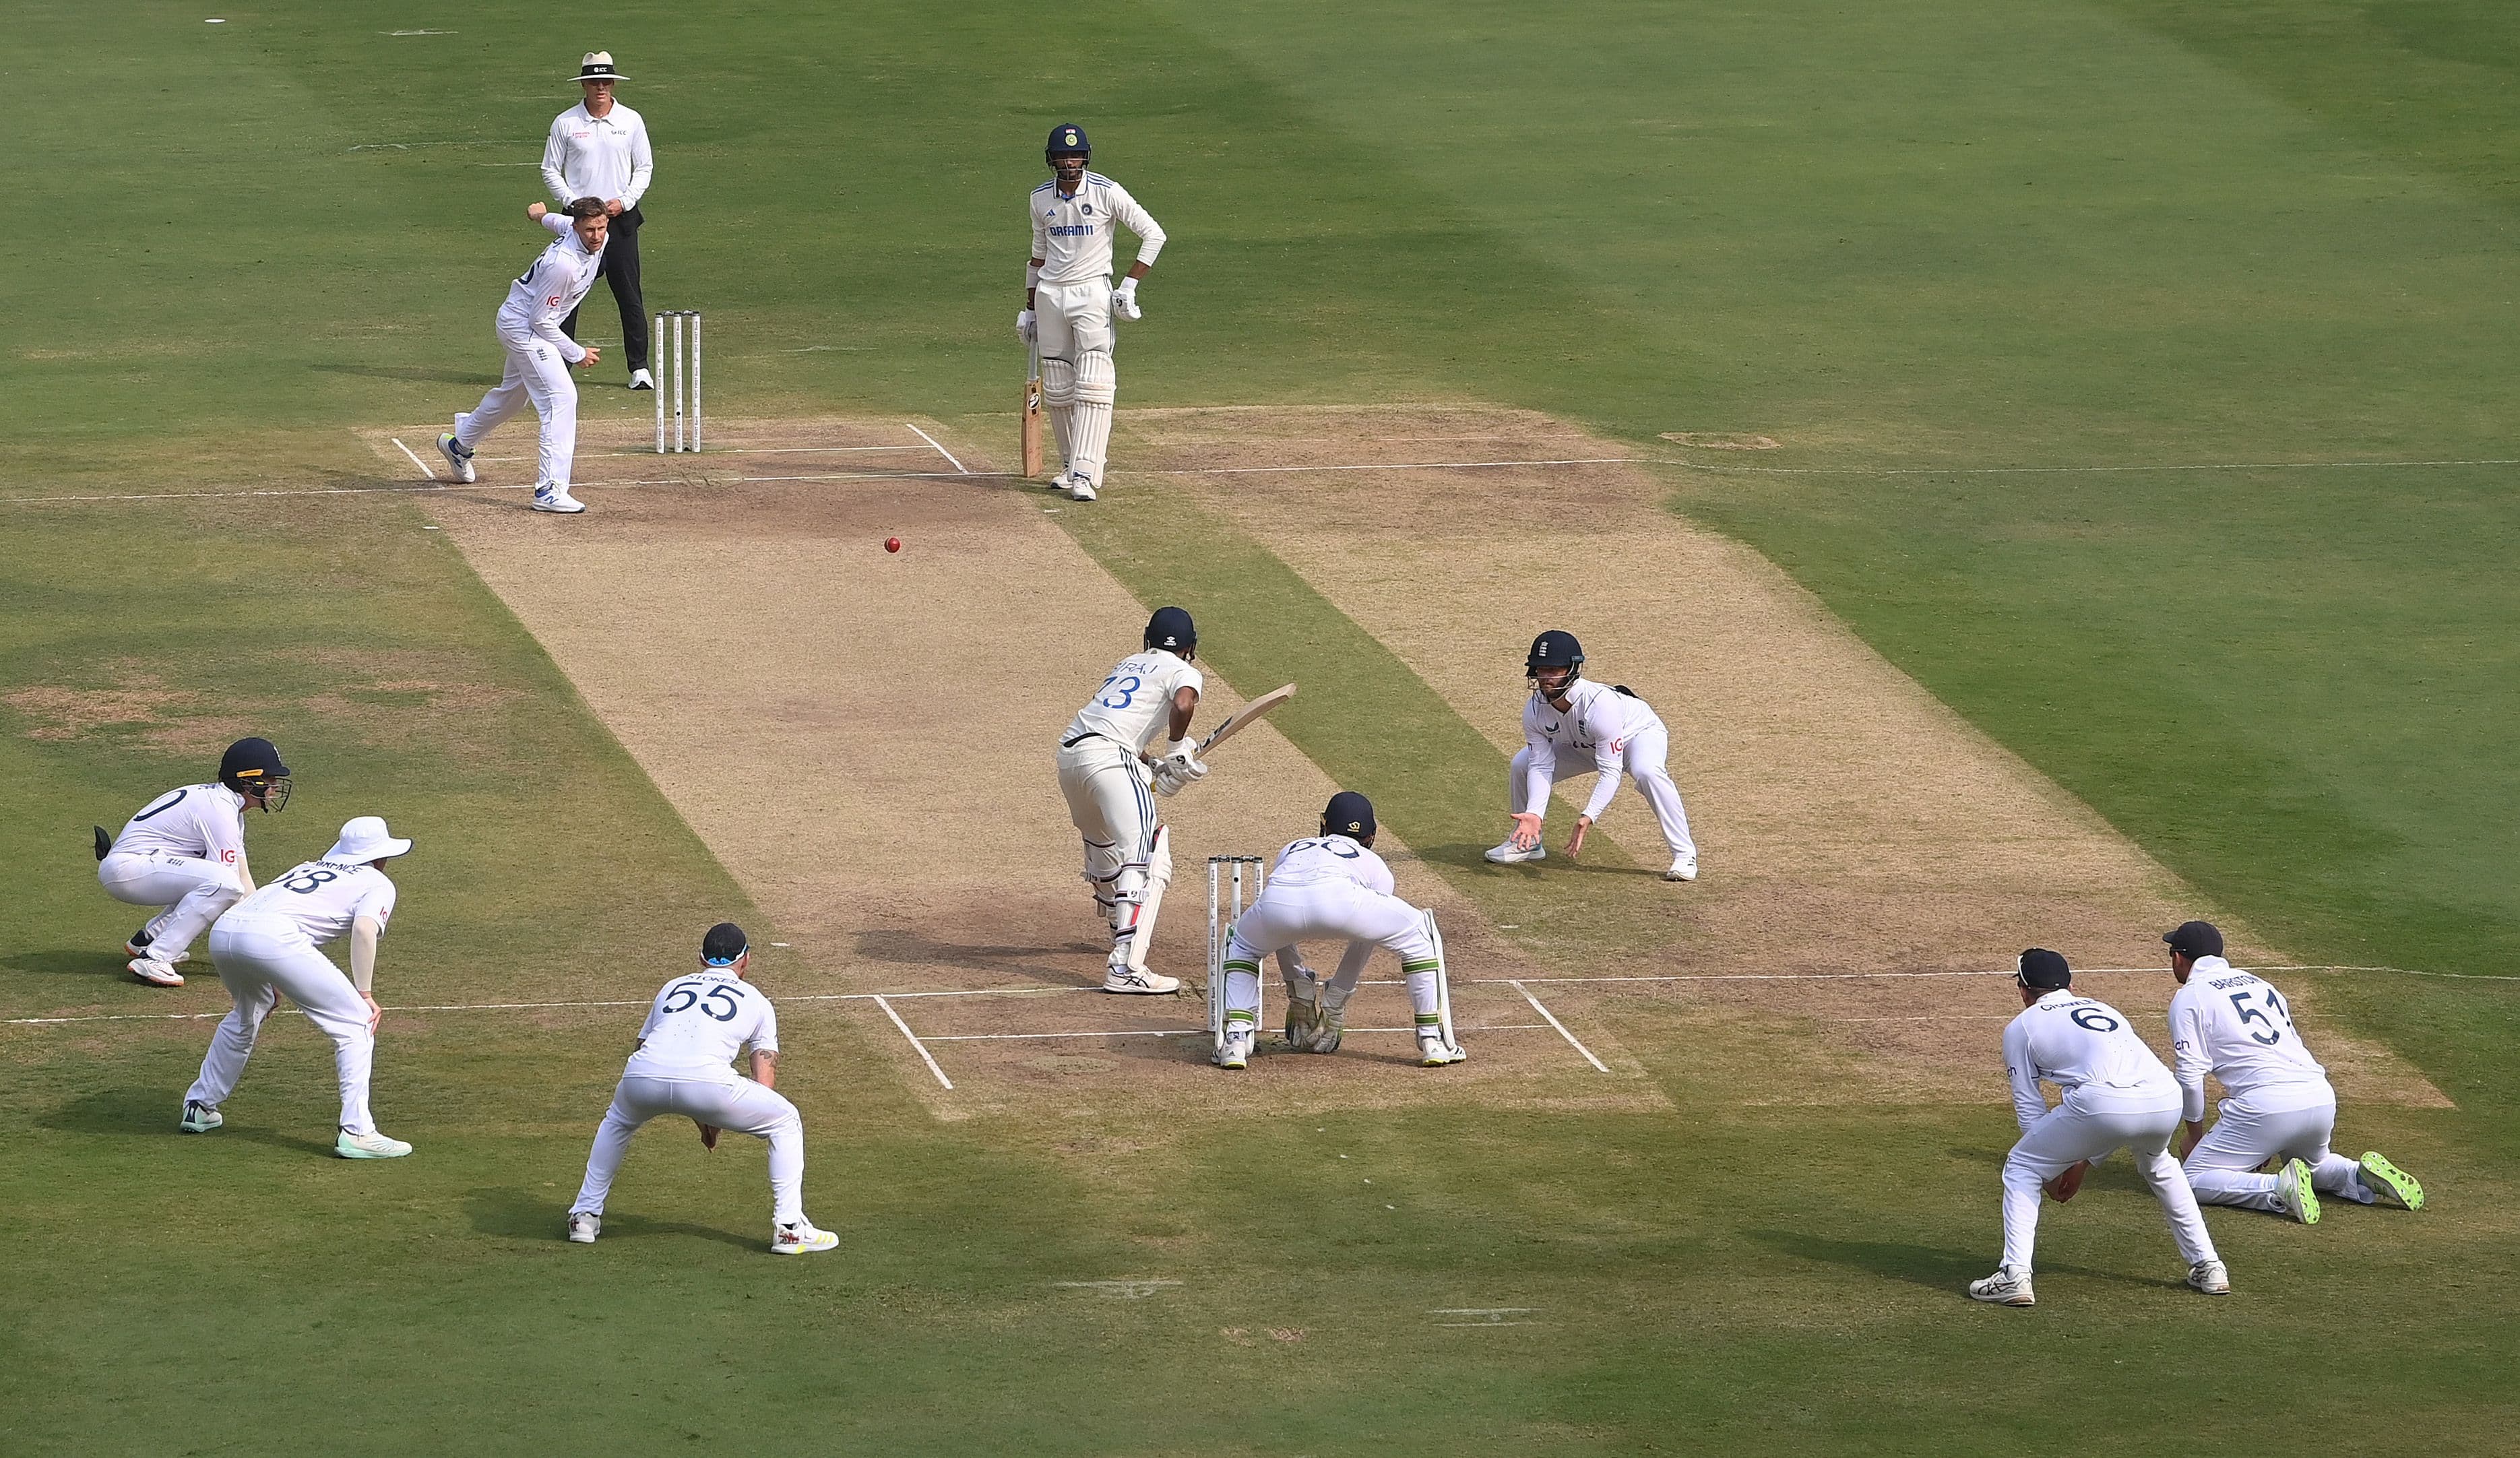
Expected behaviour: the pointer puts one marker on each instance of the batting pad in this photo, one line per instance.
(1092, 436)
(1097, 378)
(1059, 380)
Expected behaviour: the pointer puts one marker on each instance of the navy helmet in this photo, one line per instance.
(1171, 630)
(724, 945)
(252, 767)
(1350, 814)
(1554, 649)
(1066, 138)
(2043, 970)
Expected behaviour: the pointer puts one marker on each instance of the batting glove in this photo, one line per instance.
(1028, 326)
(1124, 300)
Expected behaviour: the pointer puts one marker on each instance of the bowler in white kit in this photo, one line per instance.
(184, 852)
(2116, 1095)
(1333, 886)
(2277, 1102)
(540, 354)
(1070, 302)
(1104, 774)
(1573, 726)
(695, 1025)
(266, 946)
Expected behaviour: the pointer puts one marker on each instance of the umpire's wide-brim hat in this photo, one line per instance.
(365, 839)
(598, 67)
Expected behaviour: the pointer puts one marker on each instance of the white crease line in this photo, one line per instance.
(608, 485)
(925, 1055)
(940, 449)
(1597, 1063)
(415, 460)
(1406, 466)
(2061, 470)
(1175, 1033)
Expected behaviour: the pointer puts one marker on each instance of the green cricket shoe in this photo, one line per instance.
(2391, 1183)
(2293, 1189)
(369, 1146)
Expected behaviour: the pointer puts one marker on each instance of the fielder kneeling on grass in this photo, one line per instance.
(266, 946)
(694, 1029)
(1334, 884)
(2116, 1094)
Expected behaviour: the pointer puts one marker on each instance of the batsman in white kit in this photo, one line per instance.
(540, 356)
(184, 853)
(1333, 886)
(2116, 1095)
(695, 1029)
(2277, 1103)
(1573, 726)
(1069, 302)
(1106, 773)
(266, 946)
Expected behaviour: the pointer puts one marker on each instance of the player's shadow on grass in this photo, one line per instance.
(1598, 860)
(1923, 1265)
(416, 374)
(521, 1214)
(1025, 961)
(151, 1113)
(75, 961)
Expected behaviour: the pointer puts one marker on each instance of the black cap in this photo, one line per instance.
(1349, 814)
(2044, 970)
(1171, 629)
(723, 944)
(2195, 939)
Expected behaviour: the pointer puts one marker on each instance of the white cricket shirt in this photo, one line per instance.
(2079, 1042)
(203, 821)
(1327, 860)
(320, 899)
(550, 290)
(697, 1025)
(1072, 235)
(1135, 705)
(602, 157)
(1599, 720)
(2231, 1025)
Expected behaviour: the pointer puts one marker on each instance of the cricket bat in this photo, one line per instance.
(1032, 416)
(1243, 718)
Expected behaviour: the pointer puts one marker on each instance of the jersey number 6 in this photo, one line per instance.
(2095, 1020)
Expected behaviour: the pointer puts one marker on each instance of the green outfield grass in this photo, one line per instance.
(1931, 235)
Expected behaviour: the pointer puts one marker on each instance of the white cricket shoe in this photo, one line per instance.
(2293, 1192)
(138, 946)
(1059, 482)
(155, 973)
(582, 1227)
(2005, 1288)
(198, 1118)
(800, 1239)
(2209, 1277)
(1236, 1052)
(1080, 488)
(549, 498)
(1683, 868)
(640, 379)
(1433, 1052)
(1129, 980)
(458, 461)
(1511, 855)
(371, 1145)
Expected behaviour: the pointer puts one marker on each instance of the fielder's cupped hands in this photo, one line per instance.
(1526, 831)
(708, 1135)
(1575, 841)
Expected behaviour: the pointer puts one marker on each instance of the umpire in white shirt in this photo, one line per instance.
(598, 149)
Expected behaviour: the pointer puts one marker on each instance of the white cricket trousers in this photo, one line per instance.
(2093, 1124)
(1365, 919)
(258, 958)
(193, 892)
(734, 1104)
(1646, 764)
(536, 375)
(1079, 381)
(2222, 1166)
(1113, 806)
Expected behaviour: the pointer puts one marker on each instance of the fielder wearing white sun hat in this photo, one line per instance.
(365, 839)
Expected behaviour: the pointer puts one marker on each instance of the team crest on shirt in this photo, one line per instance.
(554, 300)
(1087, 210)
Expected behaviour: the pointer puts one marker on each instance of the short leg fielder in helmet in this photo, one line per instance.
(1111, 787)
(1574, 726)
(1334, 884)
(184, 853)
(1069, 302)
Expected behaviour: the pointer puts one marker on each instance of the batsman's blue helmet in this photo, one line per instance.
(1171, 629)
(252, 767)
(1349, 814)
(1067, 137)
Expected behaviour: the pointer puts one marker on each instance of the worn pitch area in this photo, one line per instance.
(1848, 821)
(865, 740)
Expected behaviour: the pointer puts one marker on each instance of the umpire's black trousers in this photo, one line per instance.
(620, 267)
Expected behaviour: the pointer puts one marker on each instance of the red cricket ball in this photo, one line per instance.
(892, 544)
